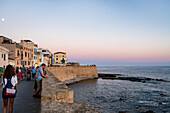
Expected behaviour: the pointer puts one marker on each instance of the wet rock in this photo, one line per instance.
(121, 99)
(163, 103)
(150, 111)
(122, 112)
(130, 78)
(107, 75)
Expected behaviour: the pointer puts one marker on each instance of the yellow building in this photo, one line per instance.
(60, 58)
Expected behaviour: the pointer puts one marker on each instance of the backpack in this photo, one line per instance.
(9, 89)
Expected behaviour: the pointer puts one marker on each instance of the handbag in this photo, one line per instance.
(9, 90)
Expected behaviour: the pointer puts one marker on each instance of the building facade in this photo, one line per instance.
(20, 53)
(3, 56)
(60, 58)
(44, 56)
(35, 55)
(25, 53)
(11, 62)
(28, 53)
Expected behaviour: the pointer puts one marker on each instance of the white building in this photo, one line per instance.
(45, 56)
(3, 56)
(11, 61)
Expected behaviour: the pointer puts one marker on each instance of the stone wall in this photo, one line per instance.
(54, 90)
(56, 97)
(72, 74)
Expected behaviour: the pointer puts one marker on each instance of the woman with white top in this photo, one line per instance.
(9, 88)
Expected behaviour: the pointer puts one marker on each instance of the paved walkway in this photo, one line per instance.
(24, 102)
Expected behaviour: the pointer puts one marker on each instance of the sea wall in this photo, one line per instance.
(54, 90)
(56, 97)
(74, 74)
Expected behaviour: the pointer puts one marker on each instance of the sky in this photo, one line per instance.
(101, 32)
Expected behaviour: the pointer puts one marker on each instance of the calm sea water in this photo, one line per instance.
(113, 96)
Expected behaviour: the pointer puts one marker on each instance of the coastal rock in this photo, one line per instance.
(150, 111)
(130, 78)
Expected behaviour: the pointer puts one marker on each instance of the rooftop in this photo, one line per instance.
(5, 38)
(27, 40)
(59, 53)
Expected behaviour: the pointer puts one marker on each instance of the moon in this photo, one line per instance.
(2, 19)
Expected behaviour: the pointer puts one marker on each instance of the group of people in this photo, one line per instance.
(10, 82)
(25, 73)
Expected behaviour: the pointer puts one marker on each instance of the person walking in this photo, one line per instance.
(23, 70)
(33, 72)
(20, 73)
(40, 75)
(29, 74)
(9, 88)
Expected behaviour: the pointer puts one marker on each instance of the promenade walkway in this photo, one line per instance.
(24, 102)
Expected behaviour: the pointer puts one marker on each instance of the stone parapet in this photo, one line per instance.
(56, 97)
(60, 107)
(54, 90)
(71, 73)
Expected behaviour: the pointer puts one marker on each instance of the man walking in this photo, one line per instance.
(33, 72)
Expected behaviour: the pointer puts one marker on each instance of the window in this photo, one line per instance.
(25, 54)
(17, 52)
(17, 62)
(43, 50)
(56, 62)
(35, 51)
(32, 55)
(22, 55)
(35, 57)
(28, 62)
(25, 62)
(22, 62)
(28, 55)
(63, 55)
(4, 57)
(56, 58)
(56, 55)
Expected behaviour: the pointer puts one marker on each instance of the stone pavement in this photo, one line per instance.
(24, 102)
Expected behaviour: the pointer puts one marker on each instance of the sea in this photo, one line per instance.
(124, 96)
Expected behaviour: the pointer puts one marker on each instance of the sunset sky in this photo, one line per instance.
(102, 32)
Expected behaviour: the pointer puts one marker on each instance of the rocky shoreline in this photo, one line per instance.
(130, 78)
